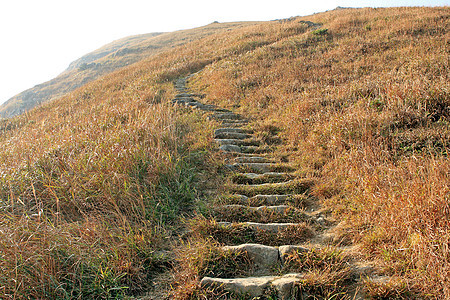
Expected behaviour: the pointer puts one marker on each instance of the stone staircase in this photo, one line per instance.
(265, 203)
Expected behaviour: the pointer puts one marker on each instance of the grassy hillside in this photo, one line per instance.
(105, 60)
(364, 104)
(94, 185)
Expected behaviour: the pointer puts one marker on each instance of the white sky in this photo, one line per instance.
(39, 38)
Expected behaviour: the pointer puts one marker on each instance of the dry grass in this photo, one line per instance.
(201, 257)
(94, 184)
(361, 104)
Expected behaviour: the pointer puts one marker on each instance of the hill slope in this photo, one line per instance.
(110, 187)
(105, 60)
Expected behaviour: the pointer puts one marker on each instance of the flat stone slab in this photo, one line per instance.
(230, 129)
(256, 286)
(225, 116)
(235, 125)
(254, 167)
(184, 95)
(272, 199)
(252, 159)
(233, 142)
(234, 121)
(251, 286)
(183, 101)
(285, 285)
(266, 176)
(274, 208)
(231, 135)
(270, 227)
(230, 148)
(267, 185)
(262, 256)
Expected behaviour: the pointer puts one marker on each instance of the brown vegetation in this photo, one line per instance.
(360, 97)
(365, 101)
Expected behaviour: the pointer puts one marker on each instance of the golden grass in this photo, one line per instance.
(93, 184)
(361, 103)
(365, 103)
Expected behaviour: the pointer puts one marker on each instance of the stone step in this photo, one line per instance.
(183, 101)
(273, 208)
(260, 167)
(296, 186)
(270, 227)
(297, 201)
(257, 149)
(235, 124)
(260, 214)
(272, 199)
(242, 120)
(252, 287)
(194, 104)
(185, 95)
(264, 258)
(253, 159)
(231, 135)
(256, 178)
(225, 116)
(231, 129)
(267, 256)
(271, 234)
(203, 107)
(231, 148)
(236, 142)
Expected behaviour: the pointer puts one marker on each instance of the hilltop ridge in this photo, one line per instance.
(111, 57)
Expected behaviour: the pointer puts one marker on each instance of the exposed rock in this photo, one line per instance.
(265, 177)
(264, 257)
(231, 135)
(235, 124)
(271, 227)
(184, 95)
(230, 148)
(224, 116)
(252, 159)
(256, 286)
(275, 208)
(229, 129)
(254, 167)
(256, 149)
(252, 286)
(272, 199)
(286, 285)
(231, 142)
